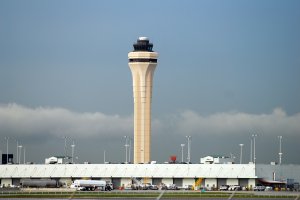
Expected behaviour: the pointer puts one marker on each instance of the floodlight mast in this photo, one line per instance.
(7, 138)
(126, 148)
(24, 155)
(280, 150)
(182, 146)
(189, 148)
(73, 149)
(104, 155)
(241, 154)
(254, 155)
(20, 153)
(65, 148)
(17, 151)
(251, 151)
(129, 159)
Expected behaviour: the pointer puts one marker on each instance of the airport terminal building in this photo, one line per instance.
(211, 175)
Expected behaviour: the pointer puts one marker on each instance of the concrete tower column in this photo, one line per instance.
(142, 63)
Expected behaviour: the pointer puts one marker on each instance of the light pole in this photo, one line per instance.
(0, 156)
(17, 151)
(65, 138)
(280, 152)
(232, 156)
(7, 138)
(182, 145)
(251, 151)
(24, 155)
(73, 149)
(20, 153)
(241, 155)
(189, 148)
(129, 150)
(254, 155)
(104, 157)
(126, 149)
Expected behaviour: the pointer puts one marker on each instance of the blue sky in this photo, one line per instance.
(234, 65)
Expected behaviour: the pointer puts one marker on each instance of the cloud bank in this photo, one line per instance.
(277, 122)
(17, 120)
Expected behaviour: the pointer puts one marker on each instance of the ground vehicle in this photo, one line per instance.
(135, 186)
(109, 185)
(144, 186)
(234, 187)
(268, 188)
(293, 186)
(153, 187)
(91, 185)
(224, 187)
(148, 186)
(188, 187)
(45, 183)
(169, 187)
(259, 188)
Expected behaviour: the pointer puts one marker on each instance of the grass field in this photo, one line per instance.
(141, 194)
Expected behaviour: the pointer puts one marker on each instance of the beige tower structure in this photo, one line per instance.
(142, 63)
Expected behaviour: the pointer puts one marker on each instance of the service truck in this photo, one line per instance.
(41, 183)
(91, 185)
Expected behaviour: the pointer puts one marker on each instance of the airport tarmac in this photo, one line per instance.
(121, 194)
(157, 198)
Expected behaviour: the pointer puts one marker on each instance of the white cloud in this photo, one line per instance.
(276, 122)
(18, 120)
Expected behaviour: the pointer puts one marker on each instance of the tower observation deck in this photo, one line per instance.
(142, 63)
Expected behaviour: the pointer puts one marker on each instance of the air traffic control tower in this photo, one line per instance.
(142, 63)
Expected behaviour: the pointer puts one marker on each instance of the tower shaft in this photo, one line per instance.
(142, 65)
